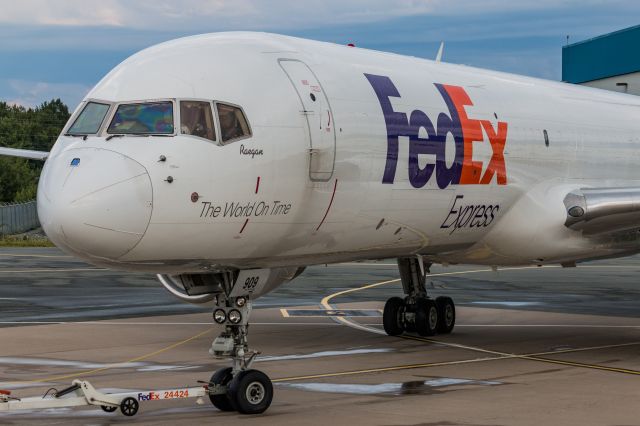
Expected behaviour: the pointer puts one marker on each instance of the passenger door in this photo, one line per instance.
(319, 118)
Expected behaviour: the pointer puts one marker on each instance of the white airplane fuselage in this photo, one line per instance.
(353, 154)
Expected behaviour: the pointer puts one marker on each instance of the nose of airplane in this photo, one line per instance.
(94, 202)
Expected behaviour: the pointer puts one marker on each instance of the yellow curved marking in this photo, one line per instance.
(499, 355)
(108, 367)
(383, 369)
(581, 365)
(325, 301)
(532, 357)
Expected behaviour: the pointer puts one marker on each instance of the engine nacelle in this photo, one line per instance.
(203, 288)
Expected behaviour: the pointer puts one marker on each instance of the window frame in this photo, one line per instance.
(246, 119)
(116, 105)
(80, 110)
(214, 118)
(175, 102)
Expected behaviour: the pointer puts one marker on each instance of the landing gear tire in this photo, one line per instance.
(222, 401)
(108, 408)
(392, 316)
(426, 317)
(250, 392)
(446, 314)
(129, 406)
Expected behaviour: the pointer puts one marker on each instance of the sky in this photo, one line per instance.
(61, 48)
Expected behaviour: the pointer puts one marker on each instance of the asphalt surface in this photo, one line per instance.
(44, 284)
(531, 346)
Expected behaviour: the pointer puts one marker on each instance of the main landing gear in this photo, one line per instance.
(417, 312)
(237, 388)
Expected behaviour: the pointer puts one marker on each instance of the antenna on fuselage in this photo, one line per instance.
(440, 50)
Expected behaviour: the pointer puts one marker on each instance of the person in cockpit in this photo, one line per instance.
(229, 124)
(193, 120)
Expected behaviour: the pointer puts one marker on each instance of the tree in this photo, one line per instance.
(27, 128)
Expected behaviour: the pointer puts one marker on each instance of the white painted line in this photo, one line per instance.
(371, 329)
(153, 323)
(537, 325)
(322, 354)
(29, 271)
(395, 265)
(34, 255)
(550, 325)
(609, 266)
(513, 304)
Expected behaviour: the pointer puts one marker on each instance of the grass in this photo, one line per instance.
(24, 241)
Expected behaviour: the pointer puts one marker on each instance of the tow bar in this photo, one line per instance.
(82, 393)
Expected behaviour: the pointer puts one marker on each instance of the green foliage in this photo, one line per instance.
(32, 128)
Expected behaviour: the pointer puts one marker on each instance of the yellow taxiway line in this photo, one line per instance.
(498, 354)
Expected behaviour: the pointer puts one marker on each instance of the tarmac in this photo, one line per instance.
(531, 345)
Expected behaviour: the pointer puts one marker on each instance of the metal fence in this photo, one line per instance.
(16, 218)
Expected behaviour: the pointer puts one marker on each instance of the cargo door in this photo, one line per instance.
(318, 116)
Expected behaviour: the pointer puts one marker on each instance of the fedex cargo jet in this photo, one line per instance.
(226, 163)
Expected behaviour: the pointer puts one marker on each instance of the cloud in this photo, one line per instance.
(254, 14)
(67, 13)
(191, 14)
(63, 47)
(33, 93)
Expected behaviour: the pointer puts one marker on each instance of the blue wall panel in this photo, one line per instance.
(609, 55)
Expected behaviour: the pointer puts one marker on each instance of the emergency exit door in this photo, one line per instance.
(317, 112)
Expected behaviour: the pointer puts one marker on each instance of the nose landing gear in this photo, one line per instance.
(417, 312)
(237, 388)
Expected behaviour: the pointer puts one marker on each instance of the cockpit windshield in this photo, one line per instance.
(150, 118)
(89, 120)
(233, 123)
(196, 119)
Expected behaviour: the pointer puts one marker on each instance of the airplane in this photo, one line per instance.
(226, 163)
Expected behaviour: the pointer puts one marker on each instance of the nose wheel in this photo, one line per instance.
(237, 388)
(222, 378)
(417, 312)
(251, 392)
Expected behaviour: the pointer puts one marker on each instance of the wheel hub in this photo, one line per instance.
(255, 393)
(433, 317)
(448, 315)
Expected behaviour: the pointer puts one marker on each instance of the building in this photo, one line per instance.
(610, 61)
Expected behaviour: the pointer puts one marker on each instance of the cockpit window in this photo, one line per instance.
(143, 119)
(89, 120)
(196, 119)
(233, 124)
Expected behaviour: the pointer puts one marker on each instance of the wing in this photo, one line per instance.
(603, 210)
(24, 153)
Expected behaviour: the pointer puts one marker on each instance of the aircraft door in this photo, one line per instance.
(319, 118)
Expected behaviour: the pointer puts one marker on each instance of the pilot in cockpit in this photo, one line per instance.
(229, 124)
(193, 120)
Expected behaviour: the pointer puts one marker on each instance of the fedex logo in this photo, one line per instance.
(465, 131)
(148, 396)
